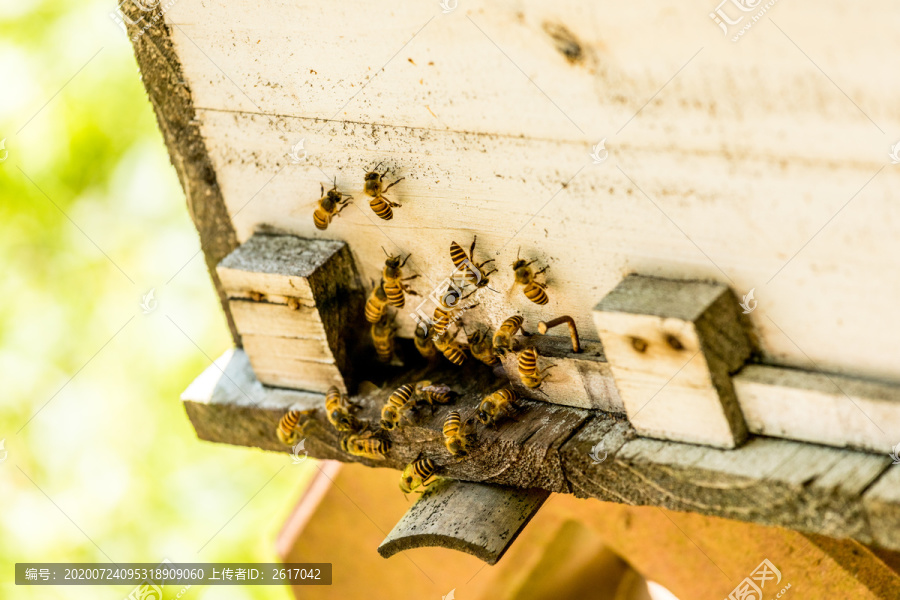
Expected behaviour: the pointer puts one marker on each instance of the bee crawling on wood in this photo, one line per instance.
(494, 407)
(396, 407)
(480, 345)
(503, 337)
(339, 411)
(381, 205)
(376, 304)
(433, 393)
(528, 369)
(366, 444)
(289, 429)
(383, 338)
(330, 206)
(450, 348)
(473, 273)
(419, 473)
(458, 435)
(533, 290)
(393, 284)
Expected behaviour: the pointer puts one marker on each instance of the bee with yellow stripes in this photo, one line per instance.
(433, 393)
(289, 428)
(366, 444)
(376, 304)
(481, 347)
(330, 205)
(392, 275)
(533, 290)
(396, 407)
(379, 204)
(338, 411)
(528, 369)
(458, 435)
(495, 406)
(424, 343)
(473, 273)
(450, 348)
(383, 338)
(419, 473)
(503, 337)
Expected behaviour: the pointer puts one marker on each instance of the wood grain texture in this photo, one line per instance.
(819, 407)
(829, 491)
(483, 520)
(300, 302)
(711, 175)
(672, 346)
(172, 97)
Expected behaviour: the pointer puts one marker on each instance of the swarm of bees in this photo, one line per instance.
(434, 339)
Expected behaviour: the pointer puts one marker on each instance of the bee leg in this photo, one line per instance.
(322, 189)
(393, 184)
(541, 271)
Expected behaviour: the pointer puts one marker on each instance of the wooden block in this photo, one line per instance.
(298, 302)
(672, 346)
(821, 408)
(482, 520)
(583, 380)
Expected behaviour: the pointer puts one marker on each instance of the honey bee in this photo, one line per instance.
(473, 274)
(481, 348)
(396, 406)
(503, 337)
(450, 348)
(393, 284)
(376, 304)
(381, 205)
(424, 343)
(534, 291)
(497, 405)
(419, 473)
(458, 436)
(366, 444)
(444, 314)
(434, 393)
(383, 338)
(528, 369)
(330, 206)
(338, 411)
(289, 429)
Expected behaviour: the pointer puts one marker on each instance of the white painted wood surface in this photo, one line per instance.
(754, 162)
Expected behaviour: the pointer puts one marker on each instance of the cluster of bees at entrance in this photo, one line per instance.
(432, 340)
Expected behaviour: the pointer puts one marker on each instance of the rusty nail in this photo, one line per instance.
(543, 327)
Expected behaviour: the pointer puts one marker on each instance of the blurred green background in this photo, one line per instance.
(102, 463)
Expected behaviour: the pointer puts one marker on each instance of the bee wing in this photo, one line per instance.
(304, 207)
(367, 387)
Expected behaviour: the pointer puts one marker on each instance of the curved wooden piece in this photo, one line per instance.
(480, 519)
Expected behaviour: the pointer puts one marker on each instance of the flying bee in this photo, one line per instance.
(381, 205)
(473, 274)
(376, 304)
(503, 337)
(534, 291)
(338, 411)
(396, 406)
(450, 348)
(481, 348)
(434, 393)
(419, 473)
(289, 429)
(528, 369)
(366, 444)
(393, 284)
(330, 206)
(424, 343)
(458, 435)
(497, 405)
(383, 338)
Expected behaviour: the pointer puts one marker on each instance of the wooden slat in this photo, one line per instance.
(775, 482)
(483, 520)
(819, 407)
